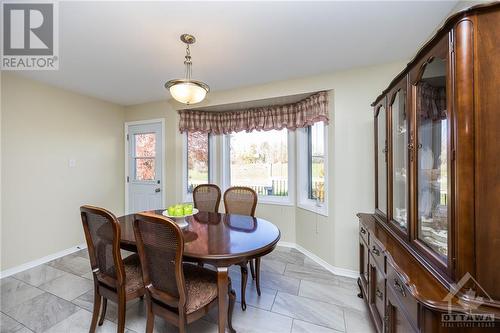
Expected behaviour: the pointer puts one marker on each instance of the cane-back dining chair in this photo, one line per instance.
(179, 292)
(114, 279)
(242, 201)
(206, 198)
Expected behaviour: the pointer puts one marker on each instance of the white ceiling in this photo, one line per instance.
(125, 51)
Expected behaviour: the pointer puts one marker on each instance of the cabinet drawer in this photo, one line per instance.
(410, 305)
(377, 252)
(363, 233)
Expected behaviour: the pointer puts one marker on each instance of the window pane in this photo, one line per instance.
(145, 169)
(197, 160)
(145, 144)
(260, 160)
(316, 165)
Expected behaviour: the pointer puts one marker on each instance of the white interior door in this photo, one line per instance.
(145, 165)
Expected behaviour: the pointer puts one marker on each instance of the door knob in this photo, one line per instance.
(157, 190)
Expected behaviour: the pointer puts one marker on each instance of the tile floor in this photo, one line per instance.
(298, 296)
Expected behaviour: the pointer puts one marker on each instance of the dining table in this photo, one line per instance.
(217, 239)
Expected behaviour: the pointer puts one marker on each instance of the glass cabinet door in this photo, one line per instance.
(381, 160)
(400, 172)
(432, 119)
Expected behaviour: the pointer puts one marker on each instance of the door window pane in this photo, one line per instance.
(381, 161)
(145, 169)
(316, 163)
(197, 160)
(432, 162)
(399, 160)
(260, 160)
(145, 145)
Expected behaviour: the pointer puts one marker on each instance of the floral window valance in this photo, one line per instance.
(291, 116)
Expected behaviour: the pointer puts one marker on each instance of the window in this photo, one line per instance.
(145, 151)
(197, 161)
(316, 161)
(260, 160)
(312, 168)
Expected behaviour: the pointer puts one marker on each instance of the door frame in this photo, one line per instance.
(163, 166)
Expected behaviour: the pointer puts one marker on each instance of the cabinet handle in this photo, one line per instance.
(363, 231)
(379, 294)
(375, 251)
(399, 288)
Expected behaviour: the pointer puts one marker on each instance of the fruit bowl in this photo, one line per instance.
(180, 219)
(194, 212)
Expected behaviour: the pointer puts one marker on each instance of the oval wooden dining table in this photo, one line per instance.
(217, 239)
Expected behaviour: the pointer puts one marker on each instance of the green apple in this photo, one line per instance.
(179, 211)
(171, 210)
(188, 209)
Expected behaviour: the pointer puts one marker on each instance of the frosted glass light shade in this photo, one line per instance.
(187, 92)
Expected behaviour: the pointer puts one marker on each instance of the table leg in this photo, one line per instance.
(222, 284)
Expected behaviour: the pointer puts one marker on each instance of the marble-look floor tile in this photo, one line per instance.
(300, 326)
(264, 301)
(9, 325)
(84, 253)
(358, 322)
(339, 295)
(79, 322)
(306, 309)
(68, 286)
(255, 320)
(135, 320)
(72, 264)
(88, 276)
(42, 312)
(309, 273)
(273, 266)
(288, 257)
(14, 292)
(39, 275)
(279, 282)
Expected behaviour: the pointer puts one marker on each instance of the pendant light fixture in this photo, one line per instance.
(186, 90)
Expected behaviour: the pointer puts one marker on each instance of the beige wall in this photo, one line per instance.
(42, 128)
(332, 238)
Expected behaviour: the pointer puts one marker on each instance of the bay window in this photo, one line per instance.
(312, 168)
(198, 166)
(263, 161)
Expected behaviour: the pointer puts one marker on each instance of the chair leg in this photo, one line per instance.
(244, 277)
(121, 314)
(230, 308)
(95, 312)
(252, 269)
(150, 321)
(182, 324)
(257, 274)
(103, 310)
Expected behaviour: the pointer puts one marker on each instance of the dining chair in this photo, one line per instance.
(114, 279)
(179, 292)
(206, 198)
(242, 201)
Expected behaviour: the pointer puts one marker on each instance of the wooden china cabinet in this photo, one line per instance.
(430, 253)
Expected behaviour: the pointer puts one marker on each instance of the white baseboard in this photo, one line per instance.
(335, 270)
(43, 260)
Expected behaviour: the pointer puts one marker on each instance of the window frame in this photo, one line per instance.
(304, 172)
(187, 196)
(288, 200)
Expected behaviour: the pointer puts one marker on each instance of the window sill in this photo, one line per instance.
(267, 201)
(314, 208)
